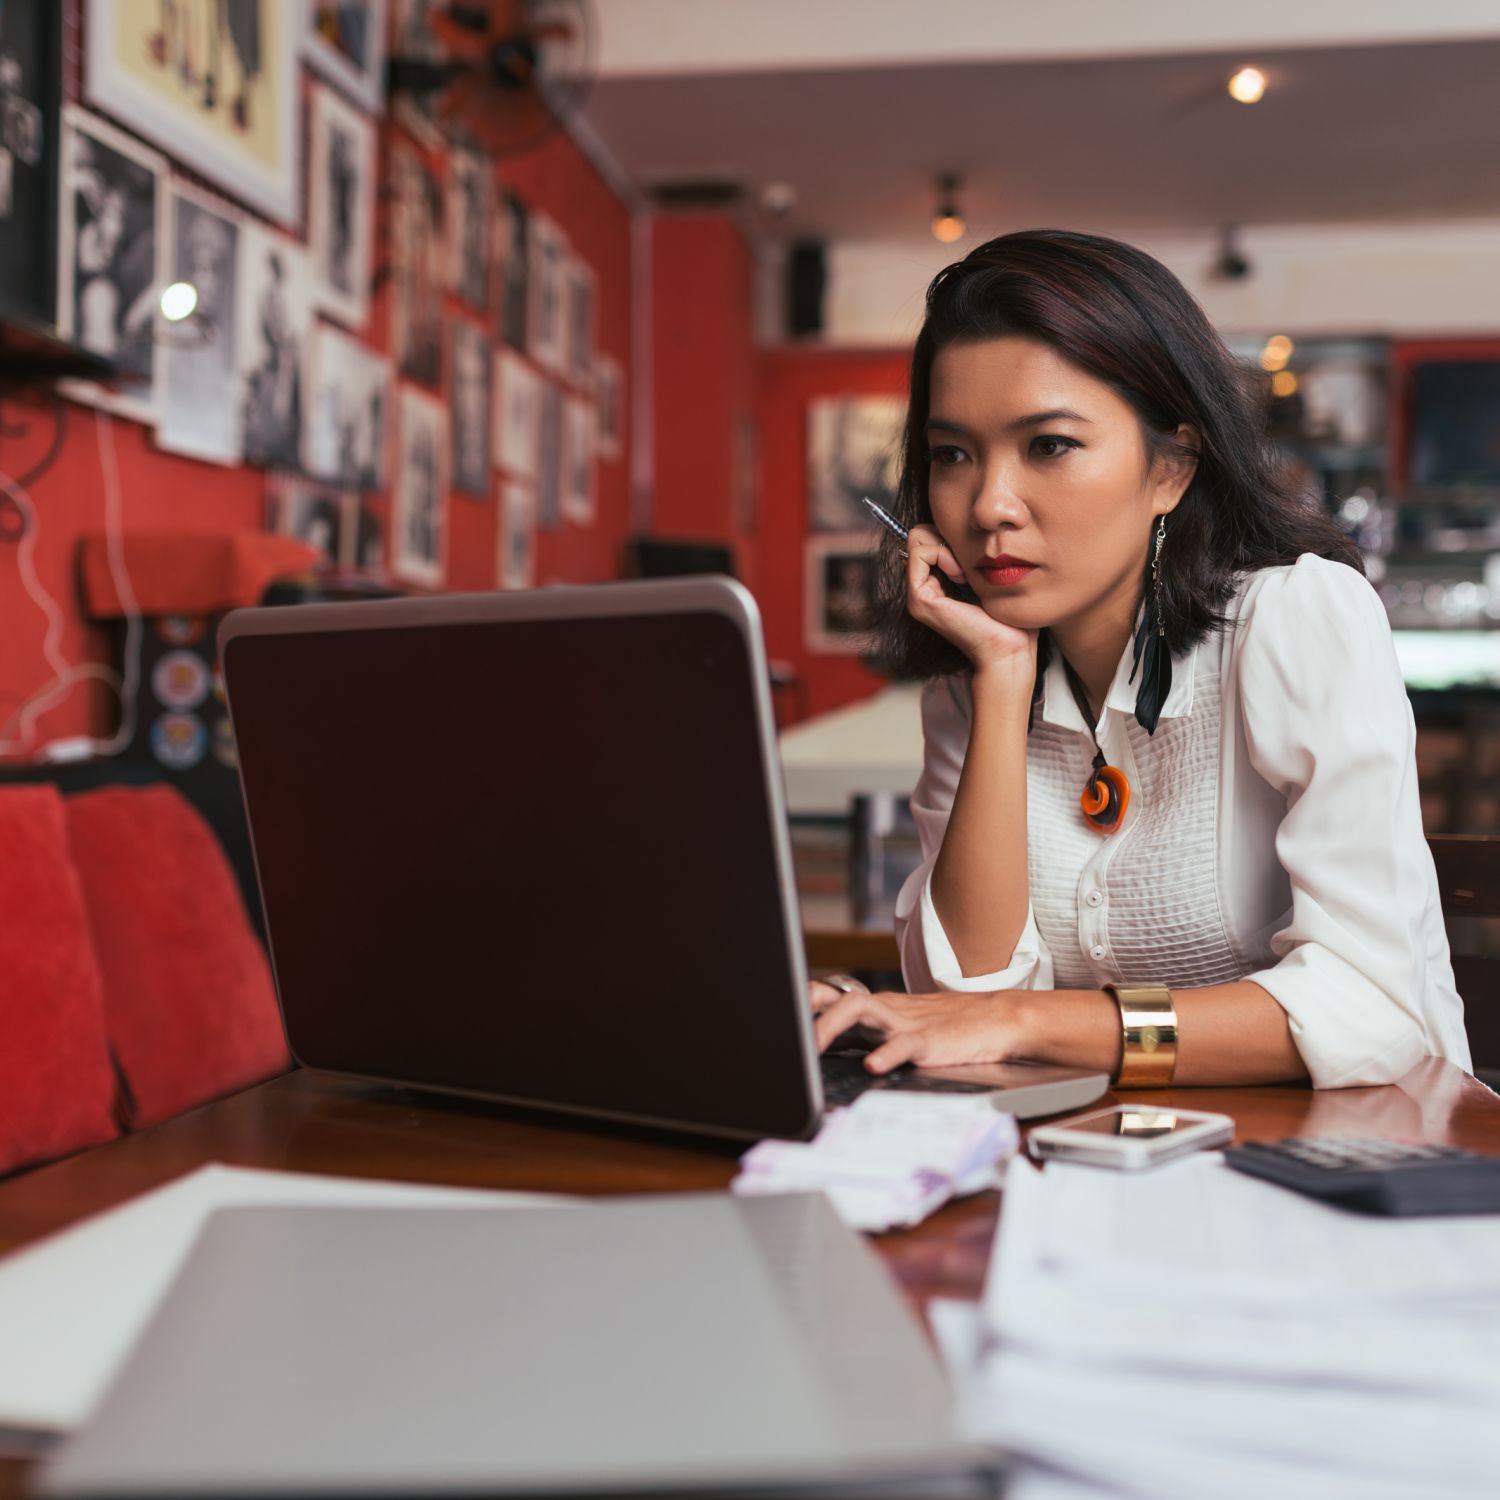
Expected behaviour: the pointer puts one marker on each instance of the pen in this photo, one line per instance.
(887, 520)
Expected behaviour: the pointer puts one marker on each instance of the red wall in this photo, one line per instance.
(703, 379)
(787, 380)
(163, 492)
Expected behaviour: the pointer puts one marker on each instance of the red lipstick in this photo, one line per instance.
(1005, 569)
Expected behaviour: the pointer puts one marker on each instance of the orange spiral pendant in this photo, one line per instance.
(1105, 797)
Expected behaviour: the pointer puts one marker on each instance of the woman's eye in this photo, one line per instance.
(1063, 445)
(945, 455)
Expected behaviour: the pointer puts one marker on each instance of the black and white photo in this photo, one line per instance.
(511, 245)
(549, 458)
(348, 410)
(609, 408)
(200, 414)
(111, 248)
(318, 514)
(274, 322)
(469, 384)
(345, 42)
(30, 89)
(471, 210)
(419, 521)
(853, 449)
(578, 502)
(340, 208)
(518, 415)
(582, 319)
(516, 564)
(369, 542)
(840, 609)
(417, 294)
(547, 314)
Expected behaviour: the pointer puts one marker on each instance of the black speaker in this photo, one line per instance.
(805, 278)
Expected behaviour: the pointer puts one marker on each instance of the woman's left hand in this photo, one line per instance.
(942, 1030)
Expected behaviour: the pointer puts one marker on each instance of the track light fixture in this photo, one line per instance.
(947, 223)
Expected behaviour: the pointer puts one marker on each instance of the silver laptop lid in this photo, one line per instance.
(531, 846)
(639, 1346)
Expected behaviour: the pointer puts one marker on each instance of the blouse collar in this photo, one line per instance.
(1059, 708)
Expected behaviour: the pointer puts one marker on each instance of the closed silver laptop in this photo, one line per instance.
(642, 1346)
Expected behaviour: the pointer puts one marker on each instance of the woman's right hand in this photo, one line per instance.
(1001, 652)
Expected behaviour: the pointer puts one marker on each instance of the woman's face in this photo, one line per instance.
(1035, 461)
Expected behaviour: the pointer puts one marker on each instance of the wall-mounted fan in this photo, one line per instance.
(503, 75)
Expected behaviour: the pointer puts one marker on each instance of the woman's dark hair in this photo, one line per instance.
(1113, 311)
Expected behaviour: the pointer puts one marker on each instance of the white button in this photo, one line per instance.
(1095, 898)
(1097, 951)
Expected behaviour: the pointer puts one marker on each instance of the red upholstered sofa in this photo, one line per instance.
(132, 985)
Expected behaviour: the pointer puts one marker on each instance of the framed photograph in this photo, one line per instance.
(345, 42)
(340, 208)
(853, 450)
(200, 414)
(369, 542)
(549, 480)
(274, 325)
(609, 398)
(112, 241)
(318, 514)
(578, 498)
(417, 292)
(547, 313)
(511, 247)
(516, 564)
(582, 321)
(419, 522)
(413, 37)
(30, 96)
(839, 602)
(471, 212)
(518, 415)
(348, 410)
(215, 84)
(469, 376)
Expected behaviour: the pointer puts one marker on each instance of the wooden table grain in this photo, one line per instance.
(307, 1122)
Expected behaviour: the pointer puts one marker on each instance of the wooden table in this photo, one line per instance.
(309, 1123)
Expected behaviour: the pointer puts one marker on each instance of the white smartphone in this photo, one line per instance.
(1131, 1136)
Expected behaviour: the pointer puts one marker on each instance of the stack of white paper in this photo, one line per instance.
(1191, 1331)
(891, 1157)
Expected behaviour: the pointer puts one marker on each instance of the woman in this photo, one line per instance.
(1168, 747)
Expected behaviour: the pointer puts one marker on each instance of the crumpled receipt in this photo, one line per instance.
(890, 1158)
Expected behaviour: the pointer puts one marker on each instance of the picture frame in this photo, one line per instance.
(581, 322)
(841, 573)
(419, 518)
(341, 190)
(609, 406)
(546, 315)
(30, 117)
(274, 320)
(232, 117)
(518, 416)
(417, 282)
(579, 492)
(471, 407)
(323, 515)
(344, 41)
(200, 414)
(516, 562)
(469, 225)
(348, 410)
(853, 449)
(112, 236)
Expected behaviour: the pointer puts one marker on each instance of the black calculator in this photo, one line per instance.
(1399, 1178)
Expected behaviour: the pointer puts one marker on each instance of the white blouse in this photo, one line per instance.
(1274, 833)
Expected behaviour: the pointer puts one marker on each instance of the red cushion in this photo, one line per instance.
(57, 1084)
(188, 1000)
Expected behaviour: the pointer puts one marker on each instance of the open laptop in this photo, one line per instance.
(532, 847)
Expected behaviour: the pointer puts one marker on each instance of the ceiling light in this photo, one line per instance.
(179, 301)
(947, 223)
(1247, 85)
(1283, 383)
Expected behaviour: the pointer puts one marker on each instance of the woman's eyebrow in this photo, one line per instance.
(1056, 414)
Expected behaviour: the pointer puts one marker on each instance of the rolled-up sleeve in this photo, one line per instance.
(1328, 725)
(928, 962)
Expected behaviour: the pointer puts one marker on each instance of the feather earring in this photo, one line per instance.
(1152, 658)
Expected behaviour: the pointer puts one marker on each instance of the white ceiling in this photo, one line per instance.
(1348, 134)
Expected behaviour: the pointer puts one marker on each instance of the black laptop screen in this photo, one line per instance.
(529, 858)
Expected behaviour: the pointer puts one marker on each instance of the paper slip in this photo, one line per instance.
(1300, 1350)
(891, 1157)
(71, 1305)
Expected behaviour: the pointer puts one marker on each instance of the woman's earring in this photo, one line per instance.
(1152, 658)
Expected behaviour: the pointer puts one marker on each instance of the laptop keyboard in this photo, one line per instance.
(845, 1078)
